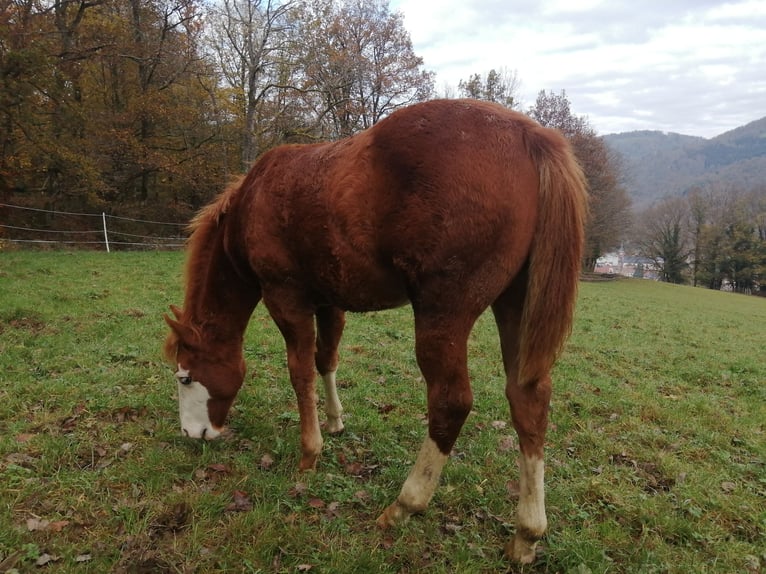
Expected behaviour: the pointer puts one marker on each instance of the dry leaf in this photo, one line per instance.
(304, 567)
(728, 487)
(499, 425)
(267, 461)
(58, 525)
(298, 490)
(83, 558)
(242, 502)
(47, 559)
(507, 443)
(316, 503)
(333, 510)
(36, 524)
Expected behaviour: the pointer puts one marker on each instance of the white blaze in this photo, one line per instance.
(192, 407)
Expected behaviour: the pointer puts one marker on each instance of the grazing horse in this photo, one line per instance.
(451, 205)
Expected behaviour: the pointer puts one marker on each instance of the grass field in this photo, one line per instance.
(656, 459)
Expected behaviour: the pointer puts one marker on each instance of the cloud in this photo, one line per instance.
(691, 66)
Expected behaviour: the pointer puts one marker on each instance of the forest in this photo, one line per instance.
(152, 105)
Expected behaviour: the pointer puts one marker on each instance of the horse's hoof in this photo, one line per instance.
(308, 463)
(336, 428)
(520, 550)
(393, 515)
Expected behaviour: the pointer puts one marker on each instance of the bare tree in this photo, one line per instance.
(663, 238)
(252, 41)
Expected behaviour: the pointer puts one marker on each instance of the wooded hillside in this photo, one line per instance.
(660, 165)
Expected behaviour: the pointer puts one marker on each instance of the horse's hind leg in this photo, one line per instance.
(529, 411)
(441, 348)
(330, 323)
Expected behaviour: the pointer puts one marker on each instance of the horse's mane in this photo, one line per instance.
(210, 216)
(200, 229)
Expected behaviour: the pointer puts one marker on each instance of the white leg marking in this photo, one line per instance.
(333, 408)
(419, 487)
(531, 510)
(424, 477)
(530, 515)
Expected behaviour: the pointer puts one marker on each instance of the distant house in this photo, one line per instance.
(627, 265)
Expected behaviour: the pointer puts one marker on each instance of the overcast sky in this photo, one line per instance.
(696, 67)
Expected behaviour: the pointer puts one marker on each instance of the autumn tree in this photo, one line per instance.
(498, 86)
(359, 64)
(609, 203)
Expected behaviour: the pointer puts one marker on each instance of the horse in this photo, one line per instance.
(452, 206)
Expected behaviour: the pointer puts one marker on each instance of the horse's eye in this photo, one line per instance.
(185, 380)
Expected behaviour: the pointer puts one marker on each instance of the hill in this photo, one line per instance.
(660, 164)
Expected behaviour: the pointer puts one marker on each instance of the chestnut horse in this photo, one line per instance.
(451, 205)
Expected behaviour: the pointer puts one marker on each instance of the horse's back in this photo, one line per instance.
(438, 194)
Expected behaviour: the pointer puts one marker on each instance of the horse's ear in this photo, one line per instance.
(176, 311)
(183, 332)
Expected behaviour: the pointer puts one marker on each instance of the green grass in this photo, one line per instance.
(656, 459)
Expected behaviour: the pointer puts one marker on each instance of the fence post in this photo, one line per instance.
(106, 237)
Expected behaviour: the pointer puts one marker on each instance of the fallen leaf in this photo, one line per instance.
(333, 510)
(304, 567)
(387, 542)
(175, 519)
(58, 525)
(385, 408)
(267, 461)
(24, 437)
(242, 502)
(362, 495)
(499, 425)
(219, 468)
(316, 503)
(507, 443)
(83, 558)
(728, 487)
(47, 559)
(298, 490)
(35, 524)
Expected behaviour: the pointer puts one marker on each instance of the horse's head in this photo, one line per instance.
(208, 376)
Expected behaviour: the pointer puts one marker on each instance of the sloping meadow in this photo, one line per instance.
(656, 458)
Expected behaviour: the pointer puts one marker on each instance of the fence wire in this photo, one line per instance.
(101, 233)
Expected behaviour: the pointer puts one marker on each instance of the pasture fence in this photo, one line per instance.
(43, 228)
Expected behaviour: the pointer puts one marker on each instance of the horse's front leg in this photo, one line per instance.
(330, 323)
(300, 340)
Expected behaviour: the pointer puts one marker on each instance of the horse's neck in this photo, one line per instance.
(218, 297)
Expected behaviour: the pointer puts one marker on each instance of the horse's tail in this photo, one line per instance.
(556, 253)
